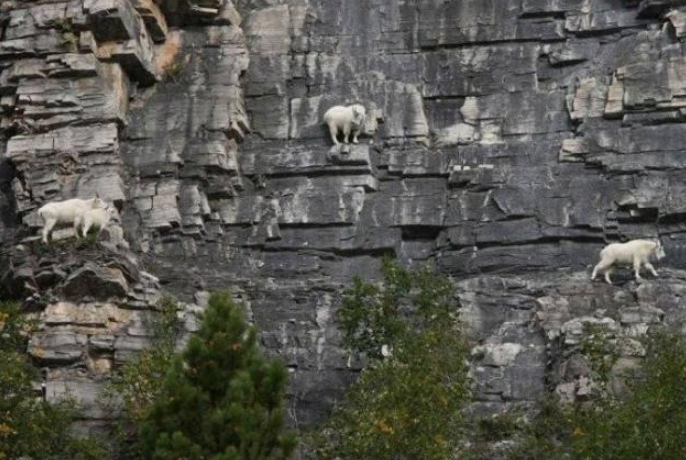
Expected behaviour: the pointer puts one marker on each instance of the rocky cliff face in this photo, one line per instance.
(506, 142)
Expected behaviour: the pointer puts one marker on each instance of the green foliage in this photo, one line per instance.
(66, 27)
(222, 399)
(63, 24)
(75, 244)
(600, 347)
(136, 386)
(497, 427)
(651, 423)
(408, 405)
(547, 434)
(175, 69)
(29, 426)
(647, 424)
(69, 40)
(373, 315)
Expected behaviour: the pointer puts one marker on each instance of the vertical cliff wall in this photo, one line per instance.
(506, 142)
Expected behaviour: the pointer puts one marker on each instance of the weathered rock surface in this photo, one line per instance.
(536, 331)
(506, 142)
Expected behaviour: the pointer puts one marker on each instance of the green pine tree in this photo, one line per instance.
(222, 399)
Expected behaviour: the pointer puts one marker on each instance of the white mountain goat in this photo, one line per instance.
(66, 212)
(98, 218)
(634, 252)
(348, 119)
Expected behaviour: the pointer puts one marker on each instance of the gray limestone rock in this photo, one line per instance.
(507, 142)
(96, 282)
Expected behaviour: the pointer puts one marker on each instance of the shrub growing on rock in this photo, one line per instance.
(137, 385)
(31, 427)
(648, 423)
(409, 403)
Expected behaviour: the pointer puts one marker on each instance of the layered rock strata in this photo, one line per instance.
(506, 143)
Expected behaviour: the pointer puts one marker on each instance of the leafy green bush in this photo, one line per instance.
(546, 435)
(407, 405)
(29, 426)
(646, 424)
(174, 70)
(69, 36)
(222, 399)
(137, 385)
(601, 348)
(405, 303)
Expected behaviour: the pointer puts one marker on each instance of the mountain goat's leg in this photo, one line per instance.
(650, 267)
(333, 130)
(356, 132)
(637, 268)
(47, 227)
(77, 225)
(602, 266)
(87, 223)
(346, 133)
(76, 228)
(98, 225)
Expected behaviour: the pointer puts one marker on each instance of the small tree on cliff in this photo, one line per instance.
(31, 427)
(408, 403)
(222, 399)
(133, 390)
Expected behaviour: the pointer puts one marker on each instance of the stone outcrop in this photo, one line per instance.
(557, 332)
(506, 143)
(71, 74)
